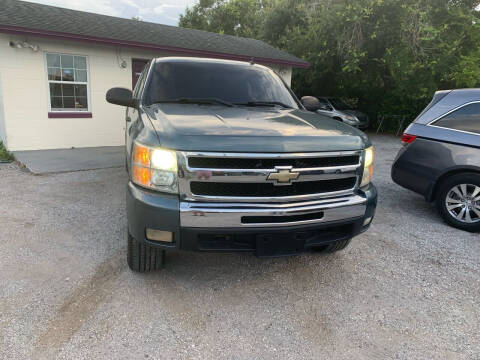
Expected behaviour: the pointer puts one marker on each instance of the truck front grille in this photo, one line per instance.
(264, 178)
(269, 163)
(270, 190)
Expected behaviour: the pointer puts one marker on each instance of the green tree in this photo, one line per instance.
(235, 17)
(389, 55)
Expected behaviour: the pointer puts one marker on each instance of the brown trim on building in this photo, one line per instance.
(69, 115)
(145, 46)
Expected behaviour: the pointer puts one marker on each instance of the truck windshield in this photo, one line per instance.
(185, 81)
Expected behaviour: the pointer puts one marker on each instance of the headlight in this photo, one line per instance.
(155, 168)
(368, 166)
(351, 119)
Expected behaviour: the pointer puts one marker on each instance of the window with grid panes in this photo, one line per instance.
(68, 82)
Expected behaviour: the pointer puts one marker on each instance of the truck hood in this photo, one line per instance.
(192, 127)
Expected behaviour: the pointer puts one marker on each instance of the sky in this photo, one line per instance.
(158, 11)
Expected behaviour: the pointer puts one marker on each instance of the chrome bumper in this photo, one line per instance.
(220, 215)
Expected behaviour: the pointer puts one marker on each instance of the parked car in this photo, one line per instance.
(223, 157)
(441, 157)
(340, 110)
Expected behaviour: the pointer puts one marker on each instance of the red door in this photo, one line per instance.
(137, 67)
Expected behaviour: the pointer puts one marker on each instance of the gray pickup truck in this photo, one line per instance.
(223, 157)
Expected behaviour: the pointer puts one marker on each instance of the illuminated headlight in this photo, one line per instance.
(155, 168)
(164, 159)
(369, 156)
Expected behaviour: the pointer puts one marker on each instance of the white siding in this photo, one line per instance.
(284, 72)
(26, 103)
(3, 135)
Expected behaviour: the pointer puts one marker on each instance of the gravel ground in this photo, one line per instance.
(409, 288)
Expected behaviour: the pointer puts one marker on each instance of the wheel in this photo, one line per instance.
(331, 248)
(458, 201)
(142, 257)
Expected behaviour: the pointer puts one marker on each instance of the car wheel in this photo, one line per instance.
(331, 248)
(142, 257)
(458, 201)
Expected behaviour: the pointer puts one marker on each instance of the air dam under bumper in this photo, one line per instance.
(242, 227)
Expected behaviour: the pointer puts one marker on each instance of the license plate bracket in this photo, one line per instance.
(278, 244)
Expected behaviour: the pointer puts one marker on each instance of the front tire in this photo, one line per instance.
(458, 201)
(142, 257)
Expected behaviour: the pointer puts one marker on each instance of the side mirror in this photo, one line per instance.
(121, 96)
(311, 103)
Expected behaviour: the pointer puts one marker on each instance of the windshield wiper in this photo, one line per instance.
(265, 103)
(196, 101)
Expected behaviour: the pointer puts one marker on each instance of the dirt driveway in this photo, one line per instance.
(407, 289)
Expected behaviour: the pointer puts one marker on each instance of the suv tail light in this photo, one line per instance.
(408, 139)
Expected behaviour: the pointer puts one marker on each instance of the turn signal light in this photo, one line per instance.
(141, 175)
(408, 139)
(141, 155)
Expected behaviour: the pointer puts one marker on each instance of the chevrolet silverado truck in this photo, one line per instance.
(223, 157)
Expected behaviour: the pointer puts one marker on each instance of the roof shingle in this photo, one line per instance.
(43, 20)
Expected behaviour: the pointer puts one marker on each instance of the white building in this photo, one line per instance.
(57, 64)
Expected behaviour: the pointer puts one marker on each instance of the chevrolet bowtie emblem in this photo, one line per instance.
(283, 176)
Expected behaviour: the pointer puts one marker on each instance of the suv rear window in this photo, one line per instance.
(171, 81)
(466, 118)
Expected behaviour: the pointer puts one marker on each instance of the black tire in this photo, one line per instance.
(331, 248)
(142, 257)
(444, 188)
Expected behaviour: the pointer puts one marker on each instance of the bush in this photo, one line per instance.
(4, 154)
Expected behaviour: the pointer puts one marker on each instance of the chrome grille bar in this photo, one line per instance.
(251, 176)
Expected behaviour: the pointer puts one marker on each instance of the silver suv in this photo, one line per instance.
(339, 110)
(441, 157)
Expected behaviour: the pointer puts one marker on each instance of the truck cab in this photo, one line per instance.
(223, 157)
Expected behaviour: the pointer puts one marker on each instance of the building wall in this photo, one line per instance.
(3, 135)
(23, 74)
(284, 72)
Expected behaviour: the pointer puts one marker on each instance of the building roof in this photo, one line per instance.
(30, 19)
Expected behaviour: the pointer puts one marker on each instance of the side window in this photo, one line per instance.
(141, 82)
(466, 118)
(323, 102)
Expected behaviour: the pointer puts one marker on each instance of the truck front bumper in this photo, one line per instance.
(241, 227)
